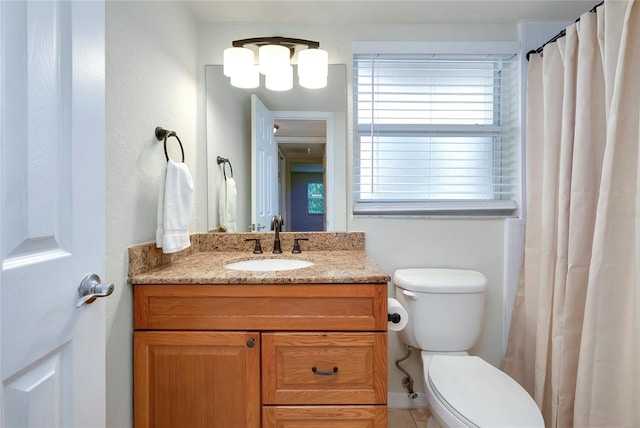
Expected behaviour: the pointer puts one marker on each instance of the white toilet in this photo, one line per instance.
(446, 313)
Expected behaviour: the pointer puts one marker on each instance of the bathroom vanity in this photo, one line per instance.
(215, 347)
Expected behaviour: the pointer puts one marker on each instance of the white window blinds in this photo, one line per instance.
(435, 134)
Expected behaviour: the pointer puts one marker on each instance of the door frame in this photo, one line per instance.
(329, 167)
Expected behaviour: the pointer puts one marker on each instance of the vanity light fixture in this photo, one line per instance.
(275, 127)
(274, 62)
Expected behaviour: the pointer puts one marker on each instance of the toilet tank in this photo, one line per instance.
(445, 306)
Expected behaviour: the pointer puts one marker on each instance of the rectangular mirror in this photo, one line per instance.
(308, 185)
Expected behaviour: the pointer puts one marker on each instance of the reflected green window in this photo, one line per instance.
(315, 198)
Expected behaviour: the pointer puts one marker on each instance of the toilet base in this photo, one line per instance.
(433, 423)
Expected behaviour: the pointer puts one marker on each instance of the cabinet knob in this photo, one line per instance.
(251, 342)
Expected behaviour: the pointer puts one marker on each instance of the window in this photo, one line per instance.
(315, 198)
(435, 134)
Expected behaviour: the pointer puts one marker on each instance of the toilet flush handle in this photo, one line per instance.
(410, 294)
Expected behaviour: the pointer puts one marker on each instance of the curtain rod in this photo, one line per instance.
(560, 34)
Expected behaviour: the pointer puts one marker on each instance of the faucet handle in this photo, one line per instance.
(258, 248)
(296, 245)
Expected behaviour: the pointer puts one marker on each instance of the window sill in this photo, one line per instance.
(452, 209)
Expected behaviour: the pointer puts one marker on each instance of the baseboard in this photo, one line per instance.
(401, 400)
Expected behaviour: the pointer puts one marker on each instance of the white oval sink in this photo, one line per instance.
(268, 265)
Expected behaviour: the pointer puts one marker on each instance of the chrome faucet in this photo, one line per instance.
(276, 224)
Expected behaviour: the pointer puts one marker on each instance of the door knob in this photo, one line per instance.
(91, 288)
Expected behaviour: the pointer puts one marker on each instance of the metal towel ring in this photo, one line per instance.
(163, 134)
(224, 162)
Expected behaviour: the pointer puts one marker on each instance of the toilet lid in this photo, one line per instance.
(481, 394)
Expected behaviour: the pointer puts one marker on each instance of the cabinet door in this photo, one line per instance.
(196, 379)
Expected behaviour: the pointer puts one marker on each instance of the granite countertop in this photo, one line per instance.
(337, 258)
(207, 268)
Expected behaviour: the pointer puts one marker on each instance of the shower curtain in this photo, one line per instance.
(575, 335)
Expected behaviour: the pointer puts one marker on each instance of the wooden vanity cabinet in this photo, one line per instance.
(294, 355)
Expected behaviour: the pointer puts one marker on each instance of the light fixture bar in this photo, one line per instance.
(276, 40)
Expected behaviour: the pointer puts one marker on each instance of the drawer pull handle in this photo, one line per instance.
(324, 372)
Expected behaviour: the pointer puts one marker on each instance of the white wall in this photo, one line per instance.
(150, 81)
(394, 242)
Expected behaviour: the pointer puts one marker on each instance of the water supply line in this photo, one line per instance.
(407, 382)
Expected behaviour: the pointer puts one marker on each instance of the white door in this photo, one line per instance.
(52, 207)
(264, 166)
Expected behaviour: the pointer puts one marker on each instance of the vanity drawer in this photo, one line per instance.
(324, 416)
(324, 368)
(316, 307)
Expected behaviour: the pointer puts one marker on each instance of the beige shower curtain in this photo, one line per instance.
(575, 335)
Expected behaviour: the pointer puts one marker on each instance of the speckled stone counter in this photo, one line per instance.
(337, 257)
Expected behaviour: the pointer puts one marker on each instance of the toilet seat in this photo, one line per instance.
(480, 395)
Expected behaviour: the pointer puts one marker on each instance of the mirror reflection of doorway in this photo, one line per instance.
(307, 197)
(301, 173)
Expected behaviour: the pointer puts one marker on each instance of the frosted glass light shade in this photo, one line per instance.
(313, 61)
(273, 57)
(248, 78)
(313, 68)
(313, 82)
(280, 79)
(237, 59)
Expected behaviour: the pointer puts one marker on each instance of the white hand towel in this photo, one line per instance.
(227, 204)
(232, 194)
(160, 219)
(174, 208)
(222, 204)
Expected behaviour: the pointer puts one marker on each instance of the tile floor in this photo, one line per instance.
(408, 418)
